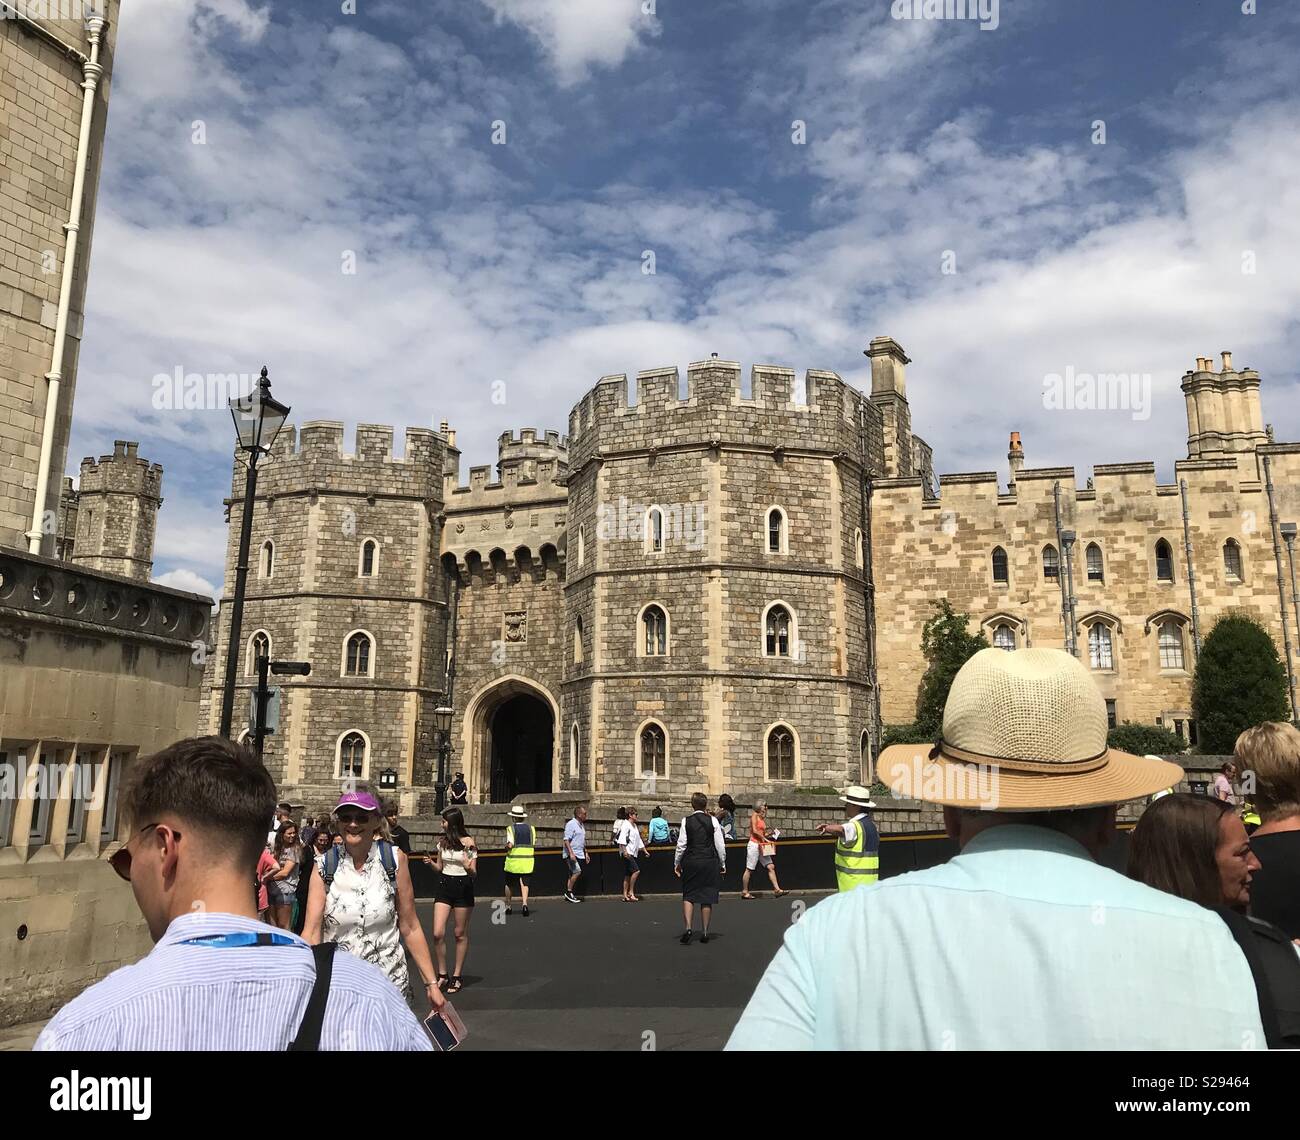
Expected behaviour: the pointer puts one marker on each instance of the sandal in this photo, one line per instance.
(749, 896)
(440, 981)
(778, 894)
(453, 986)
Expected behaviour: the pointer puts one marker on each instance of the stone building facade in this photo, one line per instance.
(46, 72)
(1150, 567)
(678, 594)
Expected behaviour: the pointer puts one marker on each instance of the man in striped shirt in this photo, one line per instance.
(217, 978)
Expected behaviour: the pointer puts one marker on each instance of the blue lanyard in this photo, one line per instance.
(241, 938)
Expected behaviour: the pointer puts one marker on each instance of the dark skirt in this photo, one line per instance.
(701, 880)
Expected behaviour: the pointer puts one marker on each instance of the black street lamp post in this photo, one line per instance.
(258, 420)
(442, 721)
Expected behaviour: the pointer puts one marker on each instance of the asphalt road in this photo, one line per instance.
(603, 974)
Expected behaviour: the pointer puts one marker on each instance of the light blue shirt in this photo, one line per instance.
(1020, 942)
(575, 835)
(246, 997)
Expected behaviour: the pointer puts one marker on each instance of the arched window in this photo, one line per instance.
(358, 655)
(575, 743)
(582, 546)
(654, 626)
(857, 548)
(1164, 562)
(999, 566)
(266, 560)
(577, 640)
(1171, 644)
(259, 645)
(1232, 560)
(655, 531)
(652, 744)
(1004, 637)
(777, 542)
(1051, 563)
(866, 766)
(1100, 655)
(353, 752)
(369, 557)
(1096, 572)
(777, 632)
(780, 753)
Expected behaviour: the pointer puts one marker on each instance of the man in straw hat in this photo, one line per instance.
(1022, 940)
(857, 849)
(521, 843)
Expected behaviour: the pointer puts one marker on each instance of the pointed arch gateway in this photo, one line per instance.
(509, 743)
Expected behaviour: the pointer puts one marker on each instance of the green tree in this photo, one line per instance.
(947, 645)
(1239, 682)
(1145, 740)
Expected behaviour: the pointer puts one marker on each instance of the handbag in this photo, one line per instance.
(768, 849)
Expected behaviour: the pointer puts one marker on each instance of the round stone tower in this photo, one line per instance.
(117, 512)
(715, 592)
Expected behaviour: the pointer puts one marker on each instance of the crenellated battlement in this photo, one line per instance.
(1117, 483)
(821, 411)
(124, 472)
(313, 457)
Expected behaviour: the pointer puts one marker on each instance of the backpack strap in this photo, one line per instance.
(388, 859)
(307, 1039)
(1241, 931)
(331, 864)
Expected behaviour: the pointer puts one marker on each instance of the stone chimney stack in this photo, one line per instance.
(1015, 457)
(889, 395)
(1223, 409)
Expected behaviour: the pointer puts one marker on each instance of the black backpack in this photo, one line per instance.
(1276, 969)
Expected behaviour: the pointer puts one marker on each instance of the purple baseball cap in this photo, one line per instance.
(363, 800)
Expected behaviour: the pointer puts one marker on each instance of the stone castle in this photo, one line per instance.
(720, 586)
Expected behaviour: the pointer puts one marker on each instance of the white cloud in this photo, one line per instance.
(187, 580)
(579, 34)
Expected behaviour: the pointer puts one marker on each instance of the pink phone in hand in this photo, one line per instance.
(445, 1028)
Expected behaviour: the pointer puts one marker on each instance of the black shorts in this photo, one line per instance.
(630, 865)
(454, 890)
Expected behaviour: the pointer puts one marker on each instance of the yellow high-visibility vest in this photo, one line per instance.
(519, 859)
(858, 864)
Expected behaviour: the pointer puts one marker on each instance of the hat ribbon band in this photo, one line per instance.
(1029, 767)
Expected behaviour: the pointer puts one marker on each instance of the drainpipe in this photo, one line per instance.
(877, 723)
(1281, 586)
(91, 71)
(1191, 574)
(1066, 614)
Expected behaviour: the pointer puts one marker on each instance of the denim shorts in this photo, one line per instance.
(574, 866)
(630, 866)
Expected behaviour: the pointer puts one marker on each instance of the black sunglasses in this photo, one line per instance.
(120, 860)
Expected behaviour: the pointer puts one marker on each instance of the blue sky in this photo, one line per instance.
(323, 131)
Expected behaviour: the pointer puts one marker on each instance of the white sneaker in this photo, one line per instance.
(571, 897)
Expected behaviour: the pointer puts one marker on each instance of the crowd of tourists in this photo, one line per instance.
(1024, 939)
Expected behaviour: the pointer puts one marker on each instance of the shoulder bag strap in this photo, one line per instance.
(308, 1037)
(1245, 938)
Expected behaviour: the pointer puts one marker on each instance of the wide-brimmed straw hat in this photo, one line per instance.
(1023, 730)
(518, 812)
(857, 795)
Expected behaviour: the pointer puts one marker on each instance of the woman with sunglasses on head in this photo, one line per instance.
(363, 899)
(456, 858)
(282, 883)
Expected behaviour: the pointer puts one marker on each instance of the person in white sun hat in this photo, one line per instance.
(1022, 940)
(857, 846)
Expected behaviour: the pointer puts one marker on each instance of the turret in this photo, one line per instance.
(117, 508)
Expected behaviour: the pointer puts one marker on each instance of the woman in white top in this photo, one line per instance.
(368, 909)
(456, 858)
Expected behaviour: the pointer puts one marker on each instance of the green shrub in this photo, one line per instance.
(947, 645)
(1145, 739)
(1239, 683)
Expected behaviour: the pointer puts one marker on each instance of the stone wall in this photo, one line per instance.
(925, 550)
(40, 116)
(95, 671)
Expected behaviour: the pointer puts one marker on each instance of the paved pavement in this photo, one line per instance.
(603, 974)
